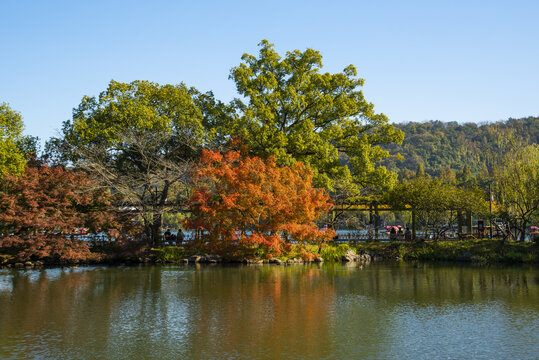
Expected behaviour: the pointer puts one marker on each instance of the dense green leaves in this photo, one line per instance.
(138, 138)
(517, 186)
(140, 106)
(437, 203)
(12, 159)
(294, 112)
(438, 145)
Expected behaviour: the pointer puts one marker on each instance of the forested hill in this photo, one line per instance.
(438, 145)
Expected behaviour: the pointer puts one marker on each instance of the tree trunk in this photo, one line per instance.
(377, 221)
(371, 222)
(413, 225)
(459, 221)
(157, 224)
(156, 229)
(147, 231)
(469, 222)
(523, 231)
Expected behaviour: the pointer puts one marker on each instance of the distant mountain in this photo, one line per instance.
(438, 145)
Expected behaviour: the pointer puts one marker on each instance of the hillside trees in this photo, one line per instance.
(245, 205)
(139, 138)
(452, 145)
(294, 112)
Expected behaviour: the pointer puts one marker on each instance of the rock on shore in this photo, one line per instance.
(351, 256)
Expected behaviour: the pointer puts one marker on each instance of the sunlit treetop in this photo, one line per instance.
(12, 160)
(137, 106)
(294, 111)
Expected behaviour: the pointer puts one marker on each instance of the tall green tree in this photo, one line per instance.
(517, 186)
(293, 111)
(139, 138)
(465, 177)
(12, 159)
(420, 171)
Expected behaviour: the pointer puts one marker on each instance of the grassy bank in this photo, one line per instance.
(477, 251)
(473, 251)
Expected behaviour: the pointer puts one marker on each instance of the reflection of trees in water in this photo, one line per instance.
(431, 284)
(39, 309)
(69, 310)
(164, 312)
(208, 312)
(394, 311)
(272, 310)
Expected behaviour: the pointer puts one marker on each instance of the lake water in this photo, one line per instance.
(382, 311)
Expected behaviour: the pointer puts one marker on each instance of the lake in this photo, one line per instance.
(331, 311)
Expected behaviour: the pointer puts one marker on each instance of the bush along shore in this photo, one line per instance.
(466, 251)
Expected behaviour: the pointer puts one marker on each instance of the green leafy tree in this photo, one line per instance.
(12, 159)
(437, 203)
(420, 171)
(465, 176)
(294, 112)
(517, 187)
(139, 138)
(447, 176)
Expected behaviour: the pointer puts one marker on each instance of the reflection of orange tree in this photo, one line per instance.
(244, 206)
(278, 310)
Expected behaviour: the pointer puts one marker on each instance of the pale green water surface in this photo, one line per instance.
(270, 312)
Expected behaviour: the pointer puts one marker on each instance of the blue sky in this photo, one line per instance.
(465, 61)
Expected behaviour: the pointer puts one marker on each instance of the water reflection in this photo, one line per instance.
(269, 312)
(264, 312)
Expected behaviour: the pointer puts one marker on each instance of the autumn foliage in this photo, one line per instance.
(246, 206)
(40, 209)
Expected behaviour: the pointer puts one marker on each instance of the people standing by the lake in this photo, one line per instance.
(180, 237)
(166, 237)
(393, 233)
(407, 235)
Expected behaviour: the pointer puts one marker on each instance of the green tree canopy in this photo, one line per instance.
(439, 145)
(437, 203)
(12, 159)
(138, 138)
(517, 186)
(141, 107)
(293, 111)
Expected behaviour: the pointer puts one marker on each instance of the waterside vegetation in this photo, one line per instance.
(257, 179)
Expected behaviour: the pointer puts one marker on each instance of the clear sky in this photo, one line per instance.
(465, 61)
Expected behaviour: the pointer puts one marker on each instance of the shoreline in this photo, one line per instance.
(482, 252)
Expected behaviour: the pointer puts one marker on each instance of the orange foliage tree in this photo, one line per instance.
(40, 208)
(243, 206)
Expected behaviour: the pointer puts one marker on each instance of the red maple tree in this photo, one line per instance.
(40, 209)
(245, 206)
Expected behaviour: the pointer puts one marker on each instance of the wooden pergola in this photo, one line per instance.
(374, 208)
